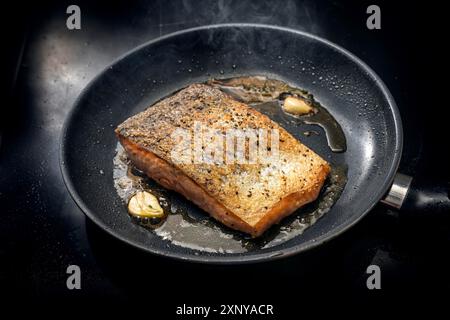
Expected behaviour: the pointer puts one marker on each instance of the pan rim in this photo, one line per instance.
(238, 258)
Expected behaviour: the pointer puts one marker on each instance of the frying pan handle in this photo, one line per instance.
(411, 195)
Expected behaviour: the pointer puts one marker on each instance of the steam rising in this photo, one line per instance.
(295, 14)
(290, 13)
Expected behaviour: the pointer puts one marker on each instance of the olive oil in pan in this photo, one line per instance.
(129, 181)
(187, 226)
(257, 90)
(184, 224)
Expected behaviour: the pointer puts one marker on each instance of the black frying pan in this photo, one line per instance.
(347, 87)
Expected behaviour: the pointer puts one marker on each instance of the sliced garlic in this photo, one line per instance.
(144, 204)
(296, 106)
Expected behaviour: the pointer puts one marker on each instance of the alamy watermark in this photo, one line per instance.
(374, 280)
(74, 279)
(73, 21)
(208, 145)
(374, 20)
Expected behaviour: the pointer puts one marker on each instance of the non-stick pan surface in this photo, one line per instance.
(352, 92)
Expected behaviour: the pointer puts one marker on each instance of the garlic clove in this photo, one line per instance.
(296, 106)
(144, 204)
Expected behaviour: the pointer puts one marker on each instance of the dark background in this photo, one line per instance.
(45, 66)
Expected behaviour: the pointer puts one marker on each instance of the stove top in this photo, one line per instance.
(42, 231)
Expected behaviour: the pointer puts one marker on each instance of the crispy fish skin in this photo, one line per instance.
(246, 197)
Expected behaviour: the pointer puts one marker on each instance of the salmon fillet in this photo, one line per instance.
(249, 197)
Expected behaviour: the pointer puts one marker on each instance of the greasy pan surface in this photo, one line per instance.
(343, 84)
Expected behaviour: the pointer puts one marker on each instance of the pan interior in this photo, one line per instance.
(345, 87)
